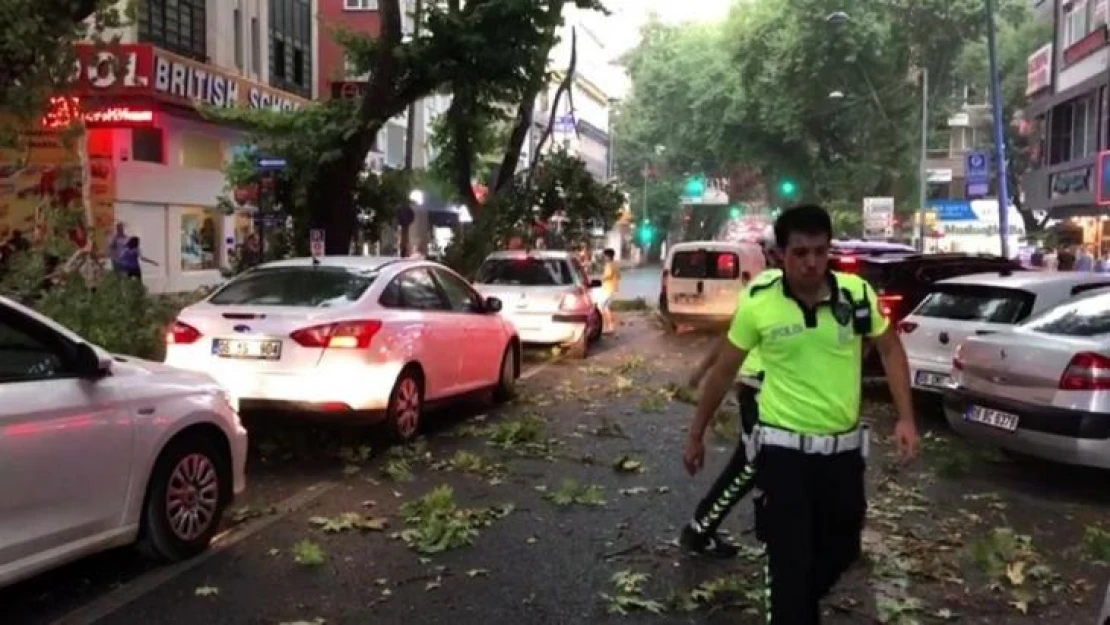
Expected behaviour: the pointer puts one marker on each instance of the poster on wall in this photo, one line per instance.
(41, 193)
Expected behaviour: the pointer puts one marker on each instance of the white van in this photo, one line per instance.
(702, 280)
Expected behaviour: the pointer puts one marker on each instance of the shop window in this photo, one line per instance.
(200, 151)
(147, 145)
(179, 26)
(201, 236)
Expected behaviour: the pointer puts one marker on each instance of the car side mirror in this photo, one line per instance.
(91, 364)
(595, 284)
(493, 305)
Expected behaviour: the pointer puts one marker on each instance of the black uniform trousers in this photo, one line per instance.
(738, 476)
(810, 514)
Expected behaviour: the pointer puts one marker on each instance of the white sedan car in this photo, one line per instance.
(99, 451)
(547, 296)
(353, 337)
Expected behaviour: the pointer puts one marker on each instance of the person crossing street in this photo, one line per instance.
(809, 326)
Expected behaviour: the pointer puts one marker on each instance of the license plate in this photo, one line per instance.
(993, 418)
(687, 298)
(932, 380)
(249, 349)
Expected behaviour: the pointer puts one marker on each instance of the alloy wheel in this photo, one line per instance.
(193, 496)
(406, 407)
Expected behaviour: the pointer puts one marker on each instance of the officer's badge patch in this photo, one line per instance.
(842, 312)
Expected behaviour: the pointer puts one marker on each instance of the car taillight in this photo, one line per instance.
(575, 301)
(888, 304)
(181, 334)
(957, 358)
(906, 327)
(1087, 371)
(847, 264)
(343, 334)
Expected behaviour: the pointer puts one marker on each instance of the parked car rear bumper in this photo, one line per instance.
(1062, 435)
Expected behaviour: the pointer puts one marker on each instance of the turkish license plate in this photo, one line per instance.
(247, 349)
(687, 298)
(931, 380)
(991, 417)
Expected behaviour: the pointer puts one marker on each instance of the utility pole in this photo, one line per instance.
(999, 135)
(923, 174)
(410, 127)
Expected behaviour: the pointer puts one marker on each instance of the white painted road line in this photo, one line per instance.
(105, 605)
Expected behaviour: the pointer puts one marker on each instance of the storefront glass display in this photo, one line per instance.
(200, 238)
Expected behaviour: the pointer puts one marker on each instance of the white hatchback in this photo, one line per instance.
(356, 338)
(977, 304)
(99, 451)
(547, 296)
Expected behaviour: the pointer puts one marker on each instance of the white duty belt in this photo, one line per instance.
(824, 445)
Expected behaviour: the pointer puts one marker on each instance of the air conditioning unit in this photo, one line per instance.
(376, 160)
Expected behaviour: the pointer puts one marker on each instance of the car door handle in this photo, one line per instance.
(146, 410)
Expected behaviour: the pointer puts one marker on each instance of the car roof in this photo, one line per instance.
(1024, 279)
(366, 263)
(711, 245)
(549, 254)
(918, 257)
(872, 245)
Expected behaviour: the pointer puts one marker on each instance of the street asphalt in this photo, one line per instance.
(961, 535)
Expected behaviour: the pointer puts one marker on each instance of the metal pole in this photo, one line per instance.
(999, 135)
(410, 128)
(919, 214)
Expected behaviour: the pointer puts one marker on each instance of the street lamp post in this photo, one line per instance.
(999, 136)
(410, 127)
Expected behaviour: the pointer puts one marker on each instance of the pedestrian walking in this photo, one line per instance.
(610, 284)
(809, 326)
(131, 259)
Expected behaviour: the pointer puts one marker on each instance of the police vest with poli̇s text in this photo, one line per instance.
(811, 358)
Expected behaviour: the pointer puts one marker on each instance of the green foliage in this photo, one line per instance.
(754, 94)
(36, 48)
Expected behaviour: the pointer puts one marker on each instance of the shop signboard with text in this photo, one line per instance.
(129, 70)
(1038, 72)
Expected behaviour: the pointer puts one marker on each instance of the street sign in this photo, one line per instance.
(316, 242)
(977, 172)
(270, 163)
(878, 217)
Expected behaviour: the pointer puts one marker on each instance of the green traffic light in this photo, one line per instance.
(788, 187)
(735, 212)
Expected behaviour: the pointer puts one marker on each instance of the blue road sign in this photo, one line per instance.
(269, 163)
(977, 166)
(978, 189)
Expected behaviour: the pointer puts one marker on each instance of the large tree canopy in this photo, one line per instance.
(782, 92)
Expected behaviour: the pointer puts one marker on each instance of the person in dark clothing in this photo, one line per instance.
(131, 259)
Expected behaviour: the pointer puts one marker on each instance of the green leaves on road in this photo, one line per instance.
(435, 523)
(570, 492)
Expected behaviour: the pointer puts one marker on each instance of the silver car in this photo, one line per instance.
(1042, 388)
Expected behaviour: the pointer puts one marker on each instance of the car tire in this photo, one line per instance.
(594, 332)
(406, 406)
(506, 383)
(191, 477)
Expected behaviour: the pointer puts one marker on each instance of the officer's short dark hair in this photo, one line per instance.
(808, 219)
(610, 253)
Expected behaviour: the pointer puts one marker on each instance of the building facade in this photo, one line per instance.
(1067, 118)
(155, 161)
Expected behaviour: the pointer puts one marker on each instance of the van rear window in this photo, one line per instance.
(706, 265)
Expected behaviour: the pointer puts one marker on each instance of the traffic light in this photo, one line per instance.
(787, 188)
(735, 212)
(694, 187)
(647, 233)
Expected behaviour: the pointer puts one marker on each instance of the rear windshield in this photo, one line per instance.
(312, 287)
(1085, 316)
(525, 272)
(967, 302)
(706, 265)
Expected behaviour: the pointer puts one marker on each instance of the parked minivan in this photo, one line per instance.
(702, 280)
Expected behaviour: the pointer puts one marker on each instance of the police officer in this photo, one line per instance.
(700, 536)
(809, 326)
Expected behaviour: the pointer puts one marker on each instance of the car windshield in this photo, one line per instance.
(310, 287)
(528, 271)
(1084, 316)
(969, 302)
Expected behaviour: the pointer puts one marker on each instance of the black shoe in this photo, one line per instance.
(711, 545)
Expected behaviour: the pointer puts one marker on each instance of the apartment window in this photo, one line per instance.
(1059, 134)
(1084, 131)
(360, 5)
(291, 46)
(256, 46)
(237, 24)
(147, 145)
(1077, 21)
(176, 25)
